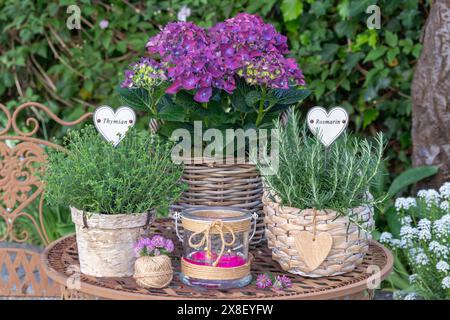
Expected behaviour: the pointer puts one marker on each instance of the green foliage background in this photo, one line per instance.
(368, 72)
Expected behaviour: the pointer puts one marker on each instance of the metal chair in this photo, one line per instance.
(21, 271)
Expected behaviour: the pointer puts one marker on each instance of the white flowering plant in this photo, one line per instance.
(424, 242)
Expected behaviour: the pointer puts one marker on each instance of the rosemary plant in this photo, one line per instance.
(312, 176)
(94, 176)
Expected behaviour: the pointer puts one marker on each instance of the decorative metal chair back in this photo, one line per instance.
(21, 194)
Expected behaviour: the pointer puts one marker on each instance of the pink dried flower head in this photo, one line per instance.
(153, 246)
(263, 281)
(143, 247)
(284, 281)
(169, 246)
(158, 241)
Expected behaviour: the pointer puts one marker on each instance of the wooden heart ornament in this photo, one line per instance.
(327, 126)
(313, 249)
(113, 125)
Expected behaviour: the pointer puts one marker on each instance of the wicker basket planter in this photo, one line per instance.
(349, 243)
(224, 184)
(105, 242)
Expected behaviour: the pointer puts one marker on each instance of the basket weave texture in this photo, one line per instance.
(238, 185)
(350, 243)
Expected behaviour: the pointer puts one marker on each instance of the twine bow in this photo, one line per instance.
(219, 227)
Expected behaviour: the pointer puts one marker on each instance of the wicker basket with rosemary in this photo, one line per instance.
(318, 206)
(350, 241)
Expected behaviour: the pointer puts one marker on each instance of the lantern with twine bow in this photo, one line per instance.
(215, 245)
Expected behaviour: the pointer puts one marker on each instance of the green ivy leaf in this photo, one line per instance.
(391, 39)
(291, 9)
(392, 53)
(370, 116)
(376, 53)
(416, 50)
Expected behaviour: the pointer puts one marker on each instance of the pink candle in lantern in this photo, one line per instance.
(228, 260)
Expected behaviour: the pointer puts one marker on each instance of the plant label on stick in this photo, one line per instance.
(327, 126)
(113, 125)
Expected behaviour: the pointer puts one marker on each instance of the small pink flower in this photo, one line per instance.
(263, 281)
(169, 246)
(104, 24)
(284, 281)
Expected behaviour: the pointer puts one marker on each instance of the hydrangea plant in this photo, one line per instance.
(236, 74)
(424, 241)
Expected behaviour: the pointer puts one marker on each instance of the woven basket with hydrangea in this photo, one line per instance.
(234, 75)
(153, 267)
(424, 242)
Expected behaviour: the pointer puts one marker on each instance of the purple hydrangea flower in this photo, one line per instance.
(192, 60)
(199, 60)
(145, 73)
(256, 50)
(263, 281)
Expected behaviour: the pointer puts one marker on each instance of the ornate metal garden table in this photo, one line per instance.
(61, 263)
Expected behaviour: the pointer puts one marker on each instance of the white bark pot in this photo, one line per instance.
(106, 242)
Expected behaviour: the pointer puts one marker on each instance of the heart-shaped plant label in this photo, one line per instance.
(313, 249)
(113, 125)
(327, 126)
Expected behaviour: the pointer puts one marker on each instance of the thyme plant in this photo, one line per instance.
(94, 176)
(312, 176)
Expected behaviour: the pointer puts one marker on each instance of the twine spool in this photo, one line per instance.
(153, 272)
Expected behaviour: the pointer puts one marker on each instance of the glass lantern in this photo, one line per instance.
(215, 246)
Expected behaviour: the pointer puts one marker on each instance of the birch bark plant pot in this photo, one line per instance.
(317, 243)
(105, 241)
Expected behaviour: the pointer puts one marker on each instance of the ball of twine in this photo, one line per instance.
(153, 272)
